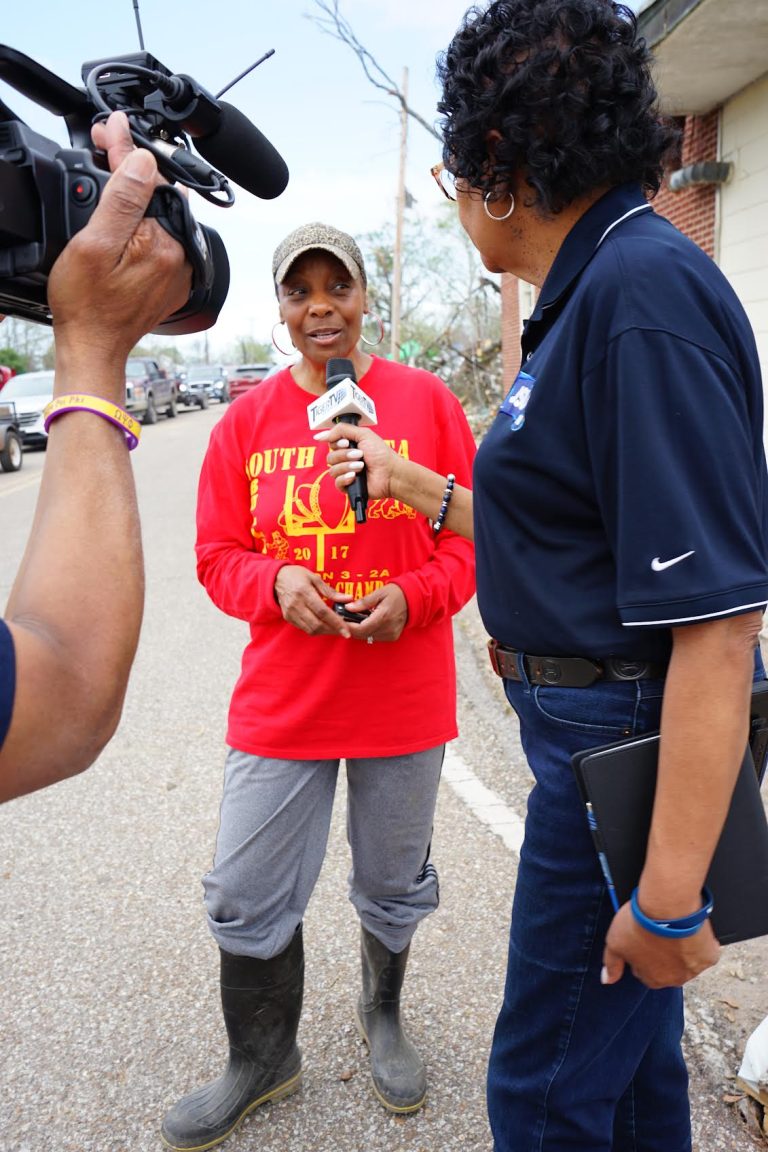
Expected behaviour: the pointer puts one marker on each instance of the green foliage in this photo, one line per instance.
(450, 309)
(249, 351)
(156, 351)
(25, 343)
(11, 359)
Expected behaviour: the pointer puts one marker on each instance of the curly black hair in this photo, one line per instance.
(567, 85)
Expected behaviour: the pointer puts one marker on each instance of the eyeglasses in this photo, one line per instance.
(445, 180)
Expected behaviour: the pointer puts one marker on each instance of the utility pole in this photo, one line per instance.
(397, 277)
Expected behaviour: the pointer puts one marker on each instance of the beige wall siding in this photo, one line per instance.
(744, 206)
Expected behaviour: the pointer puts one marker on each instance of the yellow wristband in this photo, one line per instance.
(80, 402)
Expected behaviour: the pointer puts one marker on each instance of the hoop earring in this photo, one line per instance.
(490, 215)
(377, 320)
(280, 324)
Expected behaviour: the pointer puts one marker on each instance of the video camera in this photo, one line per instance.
(47, 193)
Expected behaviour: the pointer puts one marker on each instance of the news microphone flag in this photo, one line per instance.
(344, 401)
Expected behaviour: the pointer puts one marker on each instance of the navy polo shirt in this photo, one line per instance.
(7, 679)
(621, 489)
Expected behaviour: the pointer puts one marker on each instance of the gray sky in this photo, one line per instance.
(338, 134)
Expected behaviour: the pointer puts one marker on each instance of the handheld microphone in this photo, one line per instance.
(344, 402)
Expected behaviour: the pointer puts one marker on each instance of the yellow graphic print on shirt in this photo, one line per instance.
(302, 514)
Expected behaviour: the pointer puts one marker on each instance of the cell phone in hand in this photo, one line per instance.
(353, 617)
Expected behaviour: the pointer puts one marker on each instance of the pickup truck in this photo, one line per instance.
(149, 390)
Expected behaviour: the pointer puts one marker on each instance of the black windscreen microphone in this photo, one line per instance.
(336, 371)
(237, 148)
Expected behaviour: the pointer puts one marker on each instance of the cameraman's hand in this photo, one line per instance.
(119, 276)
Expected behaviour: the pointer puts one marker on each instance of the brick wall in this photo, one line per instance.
(511, 326)
(694, 210)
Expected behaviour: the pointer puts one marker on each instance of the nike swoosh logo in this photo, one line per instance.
(659, 565)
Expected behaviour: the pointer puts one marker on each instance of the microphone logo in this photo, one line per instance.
(345, 399)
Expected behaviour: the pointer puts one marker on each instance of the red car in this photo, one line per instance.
(247, 376)
(5, 374)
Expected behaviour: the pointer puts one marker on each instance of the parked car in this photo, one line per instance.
(30, 392)
(11, 454)
(247, 376)
(149, 390)
(208, 381)
(191, 392)
(220, 392)
(5, 374)
(218, 389)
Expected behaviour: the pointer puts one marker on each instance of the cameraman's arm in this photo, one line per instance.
(75, 607)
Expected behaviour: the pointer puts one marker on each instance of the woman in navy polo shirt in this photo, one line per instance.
(620, 530)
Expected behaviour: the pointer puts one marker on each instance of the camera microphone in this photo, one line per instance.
(48, 193)
(344, 402)
(238, 149)
(222, 135)
(199, 172)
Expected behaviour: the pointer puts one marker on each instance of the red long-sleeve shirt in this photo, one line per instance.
(265, 499)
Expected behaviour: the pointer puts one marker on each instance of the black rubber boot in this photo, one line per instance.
(261, 1000)
(399, 1078)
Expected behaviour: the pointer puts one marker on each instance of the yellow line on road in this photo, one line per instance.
(9, 487)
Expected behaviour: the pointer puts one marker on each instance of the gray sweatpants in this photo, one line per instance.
(273, 833)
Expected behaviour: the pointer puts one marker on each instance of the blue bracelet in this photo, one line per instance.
(674, 929)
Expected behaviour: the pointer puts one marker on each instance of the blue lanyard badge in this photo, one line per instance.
(517, 400)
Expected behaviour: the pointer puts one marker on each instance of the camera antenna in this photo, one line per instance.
(232, 83)
(138, 24)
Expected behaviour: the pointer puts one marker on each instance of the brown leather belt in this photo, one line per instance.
(570, 671)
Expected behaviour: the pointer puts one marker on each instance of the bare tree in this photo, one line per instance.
(451, 324)
(451, 312)
(336, 25)
(33, 343)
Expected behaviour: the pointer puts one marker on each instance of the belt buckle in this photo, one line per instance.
(546, 670)
(627, 669)
(564, 671)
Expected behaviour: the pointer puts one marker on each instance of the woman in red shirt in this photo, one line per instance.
(279, 546)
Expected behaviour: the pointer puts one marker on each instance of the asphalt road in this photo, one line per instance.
(109, 1003)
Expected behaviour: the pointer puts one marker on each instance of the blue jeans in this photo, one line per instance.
(575, 1064)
